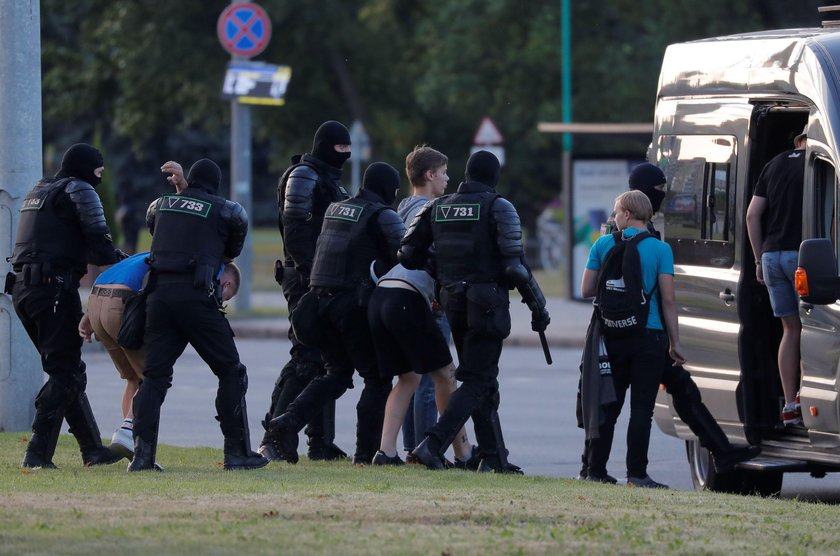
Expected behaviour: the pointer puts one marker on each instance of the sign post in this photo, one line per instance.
(244, 30)
(358, 154)
(20, 167)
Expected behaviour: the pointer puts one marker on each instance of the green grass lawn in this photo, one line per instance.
(335, 508)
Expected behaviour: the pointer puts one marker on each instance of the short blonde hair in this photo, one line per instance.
(235, 276)
(637, 203)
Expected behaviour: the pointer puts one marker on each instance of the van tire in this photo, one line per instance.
(703, 474)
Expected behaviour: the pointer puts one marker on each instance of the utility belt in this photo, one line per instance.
(171, 278)
(42, 274)
(211, 288)
(361, 290)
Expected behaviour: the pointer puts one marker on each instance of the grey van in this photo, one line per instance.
(725, 106)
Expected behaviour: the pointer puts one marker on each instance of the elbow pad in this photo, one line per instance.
(523, 280)
(88, 207)
(415, 244)
(237, 221)
(508, 228)
(300, 192)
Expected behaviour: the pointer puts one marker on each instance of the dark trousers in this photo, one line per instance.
(478, 394)
(637, 363)
(178, 314)
(53, 328)
(304, 366)
(348, 347)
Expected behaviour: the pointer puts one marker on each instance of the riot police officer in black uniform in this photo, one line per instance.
(193, 233)
(478, 255)
(62, 227)
(357, 233)
(304, 192)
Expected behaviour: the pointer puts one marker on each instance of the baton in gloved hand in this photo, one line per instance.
(544, 343)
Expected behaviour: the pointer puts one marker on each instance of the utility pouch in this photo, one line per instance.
(32, 275)
(363, 292)
(203, 277)
(453, 298)
(488, 310)
(10, 283)
(278, 271)
(133, 323)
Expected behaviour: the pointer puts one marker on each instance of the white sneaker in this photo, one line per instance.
(122, 442)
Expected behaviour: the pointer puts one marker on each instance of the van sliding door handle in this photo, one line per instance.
(727, 296)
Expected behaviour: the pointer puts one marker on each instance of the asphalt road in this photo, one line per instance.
(537, 412)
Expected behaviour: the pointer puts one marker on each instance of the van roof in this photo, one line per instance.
(762, 62)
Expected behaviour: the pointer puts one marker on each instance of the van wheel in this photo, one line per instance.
(703, 473)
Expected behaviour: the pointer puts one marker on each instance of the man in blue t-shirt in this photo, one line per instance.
(103, 318)
(636, 361)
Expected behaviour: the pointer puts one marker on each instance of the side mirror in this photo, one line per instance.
(816, 276)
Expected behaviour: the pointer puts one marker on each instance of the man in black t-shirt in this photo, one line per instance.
(775, 245)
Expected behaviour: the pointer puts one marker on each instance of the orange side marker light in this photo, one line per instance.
(801, 281)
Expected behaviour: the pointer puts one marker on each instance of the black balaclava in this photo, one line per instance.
(79, 161)
(645, 177)
(383, 179)
(483, 167)
(329, 135)
(205, 174)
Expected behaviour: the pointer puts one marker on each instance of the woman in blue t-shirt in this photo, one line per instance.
(636, 361)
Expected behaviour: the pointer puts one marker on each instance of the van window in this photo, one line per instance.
(825, 200)
(699, 206)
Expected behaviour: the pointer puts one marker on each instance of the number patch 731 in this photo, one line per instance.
(455, 213)
(186, 205)
(344, 211)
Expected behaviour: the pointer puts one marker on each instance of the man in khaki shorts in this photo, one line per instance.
(103, 317)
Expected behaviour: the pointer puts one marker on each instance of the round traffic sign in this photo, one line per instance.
(244, 29)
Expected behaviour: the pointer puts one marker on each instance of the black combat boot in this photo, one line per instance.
(427, 454)
(50, 405)
(83, 426)
(144, 456)
(283, 432)
(495, 459)
(39, 453)
(320, 440)
(238, 456)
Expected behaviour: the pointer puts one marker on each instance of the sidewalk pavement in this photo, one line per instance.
(569, 320)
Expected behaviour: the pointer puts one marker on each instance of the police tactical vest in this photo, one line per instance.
(465, 241)
(188, 233)
(43, 236)
(346, 247)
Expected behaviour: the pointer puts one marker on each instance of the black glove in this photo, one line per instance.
(540, 320)
(122, 254)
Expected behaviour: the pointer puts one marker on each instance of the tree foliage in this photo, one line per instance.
(145, 77)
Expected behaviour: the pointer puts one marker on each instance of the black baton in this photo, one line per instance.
(544, 343)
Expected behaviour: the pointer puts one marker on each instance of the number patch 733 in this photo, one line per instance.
(344, 211)
(186, 205)
(455, 213)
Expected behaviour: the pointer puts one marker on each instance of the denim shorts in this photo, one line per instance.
(778, 268)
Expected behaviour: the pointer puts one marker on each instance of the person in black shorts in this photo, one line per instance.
(407, 338)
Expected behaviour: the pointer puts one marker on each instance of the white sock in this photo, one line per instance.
(128, 424)
(390, 454)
